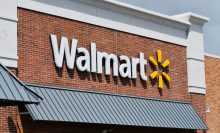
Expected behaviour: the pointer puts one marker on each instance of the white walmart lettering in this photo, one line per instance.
(93, 62)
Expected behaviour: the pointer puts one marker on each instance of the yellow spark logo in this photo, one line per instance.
(155, 73)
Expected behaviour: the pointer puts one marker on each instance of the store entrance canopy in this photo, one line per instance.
(74, 105)
(13, 91)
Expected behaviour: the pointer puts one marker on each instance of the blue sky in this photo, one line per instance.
(207, 8)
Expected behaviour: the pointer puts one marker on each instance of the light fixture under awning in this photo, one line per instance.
(13, 91)
(74, 105)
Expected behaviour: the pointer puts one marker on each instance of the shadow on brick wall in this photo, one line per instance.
(11, 125)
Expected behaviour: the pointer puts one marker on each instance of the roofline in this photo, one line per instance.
(105, 93)
(190, 14)
(212, 55)
(146, 11)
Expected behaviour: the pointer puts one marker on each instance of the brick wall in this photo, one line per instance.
(212, 71)
(197, 102)
(36, 65)
(8, 119)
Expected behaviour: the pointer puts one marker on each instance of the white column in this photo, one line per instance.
(8, 33)
(195, 52)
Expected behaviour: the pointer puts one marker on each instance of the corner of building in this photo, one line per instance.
(195, 52)
(8, 33)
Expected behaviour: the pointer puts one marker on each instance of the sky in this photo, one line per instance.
(207, 8)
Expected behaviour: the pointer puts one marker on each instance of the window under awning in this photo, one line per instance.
(13, 91)
(74, 105)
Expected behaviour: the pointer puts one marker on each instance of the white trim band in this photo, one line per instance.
(197, 90)
(163, 33)
(8, 17)
(211, 55)
(9, 56)
(147, 11)
(9, 62)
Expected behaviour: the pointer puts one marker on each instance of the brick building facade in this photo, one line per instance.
(212, 66)
(34, 47)
(36, 65)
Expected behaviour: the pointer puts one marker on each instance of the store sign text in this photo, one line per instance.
(93, 62)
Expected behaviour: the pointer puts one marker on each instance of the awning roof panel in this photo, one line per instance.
(74, 105)
(13, 91)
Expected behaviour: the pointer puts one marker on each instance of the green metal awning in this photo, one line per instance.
(13, 91)
(75, 105)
